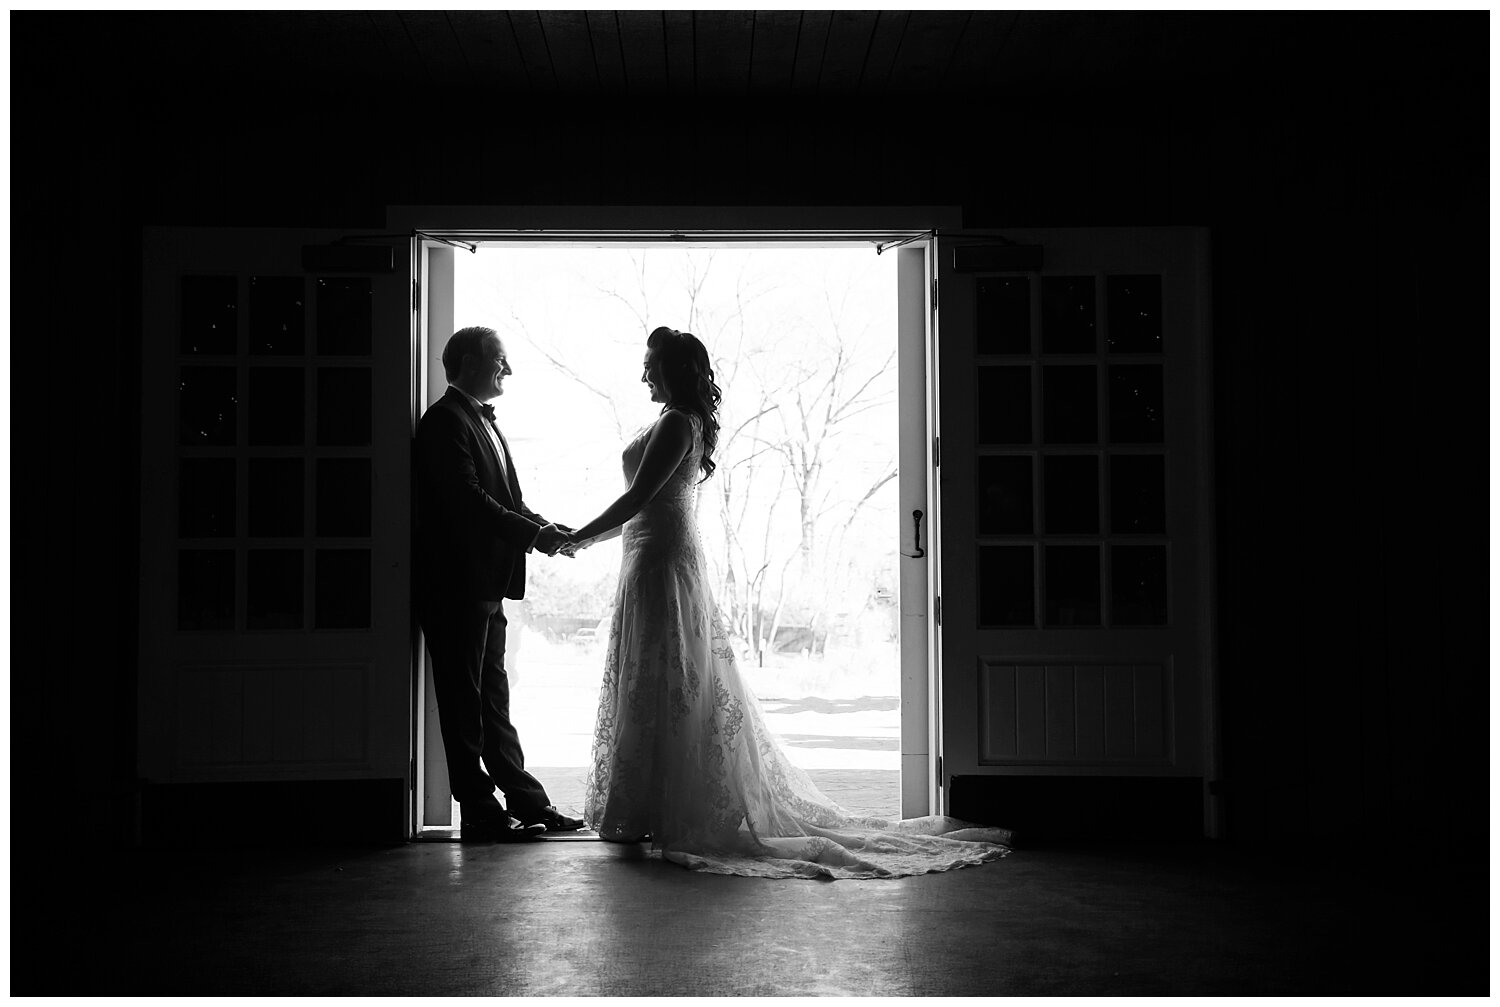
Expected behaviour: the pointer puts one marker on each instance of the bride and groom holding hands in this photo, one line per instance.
(682, 756)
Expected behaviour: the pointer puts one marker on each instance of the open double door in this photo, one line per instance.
(1056, 618)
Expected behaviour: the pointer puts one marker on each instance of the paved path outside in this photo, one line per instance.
(872, 792)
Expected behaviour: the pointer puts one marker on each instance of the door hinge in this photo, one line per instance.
(416, 295)
(937, 609)
(940, 772)
(934, 293)
(937, 452)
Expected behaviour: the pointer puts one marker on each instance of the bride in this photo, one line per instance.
(682, 755)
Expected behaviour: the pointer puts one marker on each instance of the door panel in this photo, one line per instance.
(1074, 486)
(1073, 714)
(276, 424)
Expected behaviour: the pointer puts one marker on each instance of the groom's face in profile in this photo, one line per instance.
(489, 371)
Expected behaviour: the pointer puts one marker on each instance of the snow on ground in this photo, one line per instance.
(826, 721)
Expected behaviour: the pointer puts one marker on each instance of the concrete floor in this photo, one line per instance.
(580, 917)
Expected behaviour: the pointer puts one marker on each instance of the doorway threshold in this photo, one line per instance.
(446, 834)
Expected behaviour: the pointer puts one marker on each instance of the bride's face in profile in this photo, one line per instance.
(652, 376)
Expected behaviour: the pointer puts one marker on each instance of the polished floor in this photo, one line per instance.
(580, 917)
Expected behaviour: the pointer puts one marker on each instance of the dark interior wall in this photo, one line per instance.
(1346, 199)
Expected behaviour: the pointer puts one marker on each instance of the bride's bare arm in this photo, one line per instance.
(603, 536)
(671, 439)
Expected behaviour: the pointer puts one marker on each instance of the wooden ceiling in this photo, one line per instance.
(632, 54)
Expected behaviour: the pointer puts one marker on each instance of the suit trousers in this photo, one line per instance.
(467, 641)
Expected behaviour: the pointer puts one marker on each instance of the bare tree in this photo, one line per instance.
(821, 400)
(798, 383)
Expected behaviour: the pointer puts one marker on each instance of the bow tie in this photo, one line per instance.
(488, 411)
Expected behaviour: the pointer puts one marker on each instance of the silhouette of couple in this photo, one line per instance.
(682, 756)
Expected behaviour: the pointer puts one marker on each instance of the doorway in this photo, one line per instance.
(801, 521)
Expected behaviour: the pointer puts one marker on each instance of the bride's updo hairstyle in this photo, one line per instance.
(689, 378)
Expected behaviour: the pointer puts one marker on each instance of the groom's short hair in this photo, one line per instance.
(471, 341)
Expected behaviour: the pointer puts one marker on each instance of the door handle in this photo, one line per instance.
(916, 536)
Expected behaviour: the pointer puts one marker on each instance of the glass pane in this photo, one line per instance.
(1072, 585)
(1070, 405)
(1002, 414)
(275, 497)
(343, 490)
(1138, 584)
(206, 406)
(209, 314)
(205, 497)
(1002, 314)
(205, 589)
(345, 315)
(344, 405)
(343, 599)
(1004, 496)
(1071, 491)
(1068, 324)
(277, 314)
(273, 589)
(276, 407)
(1135, 404)
(1137, 494)
(1134, 314)
(1007, 578)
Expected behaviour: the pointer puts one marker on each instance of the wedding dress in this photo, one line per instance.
(682, 753)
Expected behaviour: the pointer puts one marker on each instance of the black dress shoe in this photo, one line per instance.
(628, 840)
(499, 830)
(552, 820)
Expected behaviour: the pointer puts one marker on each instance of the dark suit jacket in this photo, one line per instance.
(472, 529)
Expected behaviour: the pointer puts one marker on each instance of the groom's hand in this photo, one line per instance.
(550, 539)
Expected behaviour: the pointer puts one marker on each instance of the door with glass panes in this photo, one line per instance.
(1075, 490)
(275, 629)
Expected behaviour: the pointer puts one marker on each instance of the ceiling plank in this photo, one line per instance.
(774, 52)
(848, 44)
(526, 27)
(812, 43)
(682, 54)
(761, 53)
(926, 49)
(643, 44)
(604, 37)
(344, 45)
(722, 43)
(442, 56)
(567, 36)
(1053, 53)
(490, 45)
(400, 52)
(976, 57)
(885, 43)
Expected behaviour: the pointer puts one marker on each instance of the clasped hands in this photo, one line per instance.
(557, 538)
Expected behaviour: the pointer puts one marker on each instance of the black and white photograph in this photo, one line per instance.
(749, 503)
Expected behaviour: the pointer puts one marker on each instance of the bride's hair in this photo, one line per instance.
(690, 384)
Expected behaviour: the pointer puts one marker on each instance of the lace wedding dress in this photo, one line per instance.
(681, 751)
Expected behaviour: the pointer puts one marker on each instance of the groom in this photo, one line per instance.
(472, 536)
